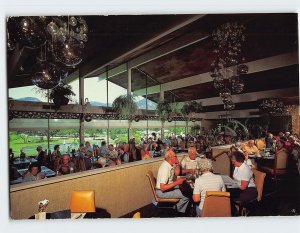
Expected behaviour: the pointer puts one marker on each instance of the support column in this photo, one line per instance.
(161, 98)
(107, 129)
(129, 72)
(161, 94)
(48, 129)
(81, 102)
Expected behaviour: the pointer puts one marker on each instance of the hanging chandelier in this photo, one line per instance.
(227, 66)
(60, 38)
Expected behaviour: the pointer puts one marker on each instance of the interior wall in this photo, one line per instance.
(296, 119)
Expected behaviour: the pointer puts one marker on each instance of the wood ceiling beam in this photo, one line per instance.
(145, 58)
(234, 114)
(251, 96)
(260, 65)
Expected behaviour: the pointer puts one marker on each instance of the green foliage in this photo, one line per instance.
(61, 89)
(163, 110)
(190, 107)
(125, 105)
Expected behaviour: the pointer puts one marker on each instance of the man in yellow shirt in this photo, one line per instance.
(260, 144)
(250, 148)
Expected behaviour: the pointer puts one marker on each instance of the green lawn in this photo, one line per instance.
(16, 142)
(29, 147)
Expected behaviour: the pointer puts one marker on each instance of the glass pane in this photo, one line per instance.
(114, 91)
(27, 141)
(65, 133)
(75, 88)
(96, 91)
(28, 93)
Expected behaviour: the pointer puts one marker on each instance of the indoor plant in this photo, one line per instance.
(125, 105)
(61, 94)
(163, 109)
(190, 108)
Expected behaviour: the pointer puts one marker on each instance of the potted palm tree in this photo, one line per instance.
(61, 94)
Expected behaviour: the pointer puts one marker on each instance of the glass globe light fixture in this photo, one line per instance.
(47, 75)
(30, 32)
(68, 52)
(225, 93)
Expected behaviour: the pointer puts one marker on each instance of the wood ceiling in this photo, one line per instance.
(270, 38)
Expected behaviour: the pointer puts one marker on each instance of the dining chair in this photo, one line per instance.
(83, 201)
(279, 168)
(161, 202)
(56, 163)
(221, 163)
(244, 209)
(81, 164)
(137, 215)
(216, 204)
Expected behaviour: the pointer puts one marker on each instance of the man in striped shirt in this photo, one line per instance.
(206, 182)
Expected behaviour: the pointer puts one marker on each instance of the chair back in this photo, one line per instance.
(259, 182)
(82, 201)
(137, 215)
(81, 164)
(216, 204)
(221, 163)
(56, 163)
(152, 184)
(281, 160)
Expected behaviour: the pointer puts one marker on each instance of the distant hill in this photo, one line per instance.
(99, 104)
(142, 104)
(31, 99)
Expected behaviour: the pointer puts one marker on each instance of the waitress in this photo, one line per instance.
(244, 177)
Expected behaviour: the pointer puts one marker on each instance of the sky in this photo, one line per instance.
(94, 90)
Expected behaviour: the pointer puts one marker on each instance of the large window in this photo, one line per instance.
(28, 93)
(114, 91)
(75, 88)
(95, 90)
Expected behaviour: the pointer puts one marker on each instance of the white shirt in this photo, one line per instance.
(244, 172)
(188, 163)
(165, 174)
(208, 182)
(249, 163)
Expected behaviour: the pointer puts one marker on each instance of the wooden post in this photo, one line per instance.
(129, 93)
(81, 102)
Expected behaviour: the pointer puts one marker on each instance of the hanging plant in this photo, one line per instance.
(191, 107)
(125, 105)
(61, 94)
(164, 110)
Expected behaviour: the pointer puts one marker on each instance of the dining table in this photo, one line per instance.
(48, 172)
(262, 159)
(23, 163)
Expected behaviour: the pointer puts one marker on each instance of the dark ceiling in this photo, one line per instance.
(112, 36)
